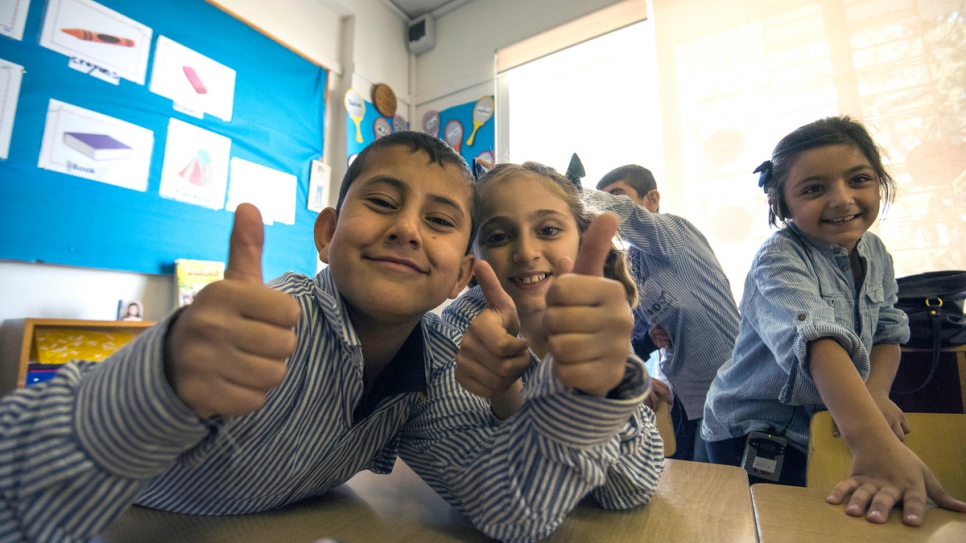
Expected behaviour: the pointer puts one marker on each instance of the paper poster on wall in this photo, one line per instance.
(320, 179)
(399, 123)
(91, 145)
(355, 107)
(196, 83)
(381, 127)
(271, 191)
(13, 17)
(479, 142)
(101, 36)
(10, 76)
(431, 123)
(195, 169)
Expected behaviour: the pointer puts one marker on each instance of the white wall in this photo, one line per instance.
(460, 67)
(313, 27)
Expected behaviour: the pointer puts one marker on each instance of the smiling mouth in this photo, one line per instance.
(529, 279)
(398, 262)
(846, 218)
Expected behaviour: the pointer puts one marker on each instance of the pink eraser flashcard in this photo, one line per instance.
(195, 80)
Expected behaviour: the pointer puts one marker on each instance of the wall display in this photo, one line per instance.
(399, 123)
(384, 99)
(320, 182)
(355, 107)
(453, 134)
(381, 127)
(431, 123)
(195, 169)
(177, 206)
(94, 146)
(13, 17)
(482, 112)
(271, 191)
(10, 76)
(477, 113)
(196, 83)
(99, 35)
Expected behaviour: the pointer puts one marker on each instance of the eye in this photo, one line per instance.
(861, 179)
(810, 190)
(549, 231)
(379, 201)
(441, 221)
(496, 239)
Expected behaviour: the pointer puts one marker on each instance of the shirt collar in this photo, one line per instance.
(405, 373)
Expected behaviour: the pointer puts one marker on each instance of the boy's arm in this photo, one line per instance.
(654, 234)
(884, 471)
(76, 451)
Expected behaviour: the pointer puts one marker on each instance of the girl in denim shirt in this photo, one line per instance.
(819, 329)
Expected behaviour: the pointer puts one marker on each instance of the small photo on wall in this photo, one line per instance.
(91, 145)
(195, 169)
(130, 310)
(10, 77)
(105, 38)
(196, 83)
(13, 17)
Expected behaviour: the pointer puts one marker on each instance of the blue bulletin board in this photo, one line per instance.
(277, 122)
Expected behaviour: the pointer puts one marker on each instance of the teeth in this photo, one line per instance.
(842, 219)
(530, 279)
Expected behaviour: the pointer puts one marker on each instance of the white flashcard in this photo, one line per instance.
(91, 145)
(13, 17)
(320, 179)
(10, 76)
(196, 83)
(271, 191)
(101, 36)
(195, 169)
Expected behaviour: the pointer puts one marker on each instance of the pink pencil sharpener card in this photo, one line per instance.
(195, 81)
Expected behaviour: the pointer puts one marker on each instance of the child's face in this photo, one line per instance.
(525, 230)
(832, 194)
(398, 247)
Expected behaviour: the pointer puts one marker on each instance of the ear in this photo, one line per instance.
(653, 201)
(324, 230)
(466, 272)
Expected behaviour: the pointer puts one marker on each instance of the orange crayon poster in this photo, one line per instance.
(96, 37)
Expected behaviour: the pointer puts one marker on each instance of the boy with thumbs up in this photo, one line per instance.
(256, 396)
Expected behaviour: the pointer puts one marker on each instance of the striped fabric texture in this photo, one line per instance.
(683, 288)
(79, 449)
(800, 289)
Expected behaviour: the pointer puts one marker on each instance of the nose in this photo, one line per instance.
(840, 194)
(405, 230)
(525, 250)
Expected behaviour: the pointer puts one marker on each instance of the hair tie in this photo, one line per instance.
(764, 171)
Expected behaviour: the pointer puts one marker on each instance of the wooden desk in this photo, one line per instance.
(789, 514)
(694, 503)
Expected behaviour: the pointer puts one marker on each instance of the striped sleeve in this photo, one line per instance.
(518, 479)
(76, 450)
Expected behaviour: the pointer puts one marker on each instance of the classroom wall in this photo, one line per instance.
(374, 45)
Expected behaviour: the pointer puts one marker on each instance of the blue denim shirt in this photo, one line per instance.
(800, 289)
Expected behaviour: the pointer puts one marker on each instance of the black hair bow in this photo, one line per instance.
(764, 173)
(575, 171)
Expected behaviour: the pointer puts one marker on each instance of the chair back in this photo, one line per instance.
(939, 439)
(665, 427)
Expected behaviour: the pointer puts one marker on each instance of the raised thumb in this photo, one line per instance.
(245, 246)
(595, 244)
(496, 298)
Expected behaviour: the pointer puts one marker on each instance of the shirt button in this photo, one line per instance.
(801, 316)
(845, 267)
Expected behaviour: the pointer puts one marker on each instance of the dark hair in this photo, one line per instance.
(842, 130)
(638, 177)
(615, 267)
(439, 152)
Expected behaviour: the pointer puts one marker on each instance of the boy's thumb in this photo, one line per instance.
(496, 298)
(595, 245)
(245, 247)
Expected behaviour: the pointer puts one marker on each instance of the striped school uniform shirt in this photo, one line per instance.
(800, 289)
(76, 451)
(681, 287)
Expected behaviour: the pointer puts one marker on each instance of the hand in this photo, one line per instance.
(227, 349)
(885, 476)
(660, 392)
(588, 322)
(659, 336)
(893, 415)
(492, 357)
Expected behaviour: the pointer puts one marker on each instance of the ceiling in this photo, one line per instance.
(415, 8)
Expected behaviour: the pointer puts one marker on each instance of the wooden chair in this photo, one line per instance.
(939, 439)
(665, 427)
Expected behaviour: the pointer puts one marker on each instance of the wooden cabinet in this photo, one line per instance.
(18, 345)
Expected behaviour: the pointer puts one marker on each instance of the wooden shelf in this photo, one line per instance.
(18, 349)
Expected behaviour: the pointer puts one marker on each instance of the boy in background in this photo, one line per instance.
(685, 298)
(256, 396)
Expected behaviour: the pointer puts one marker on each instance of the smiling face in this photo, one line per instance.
(526, 228)
(832, 194)
(398, 246)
